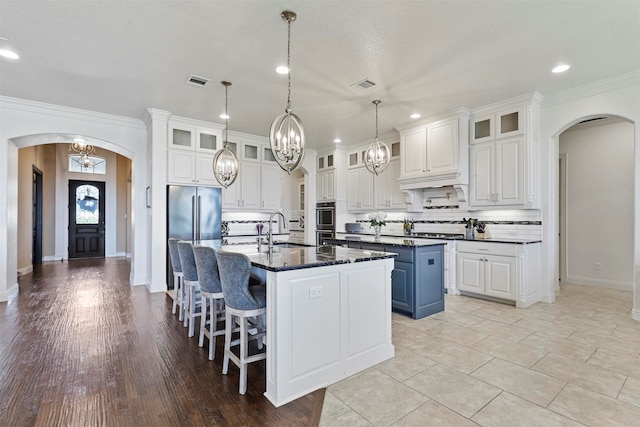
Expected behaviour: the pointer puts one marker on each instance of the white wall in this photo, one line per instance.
(620, 97)
(599, 207)
(26, 123)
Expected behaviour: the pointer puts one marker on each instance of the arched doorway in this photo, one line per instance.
(596, 203)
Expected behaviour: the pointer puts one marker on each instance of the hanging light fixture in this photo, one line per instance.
(80, 146)
(377, 155)
(286, 136)
(225, 162)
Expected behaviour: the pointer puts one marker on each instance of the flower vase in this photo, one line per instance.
(376, 229)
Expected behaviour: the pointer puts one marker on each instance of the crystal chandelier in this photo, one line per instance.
(85, 150)
(377, 155)
(225, 162)
(286, 136)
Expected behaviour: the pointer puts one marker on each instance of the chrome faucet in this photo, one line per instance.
(270, 232)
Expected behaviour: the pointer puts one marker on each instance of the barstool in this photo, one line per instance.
(242, 302)
(178, 288)
(191, 285)
(212, 297)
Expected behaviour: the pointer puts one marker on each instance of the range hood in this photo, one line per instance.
(448, 196)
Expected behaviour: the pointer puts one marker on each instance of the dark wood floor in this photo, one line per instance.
(79, 347)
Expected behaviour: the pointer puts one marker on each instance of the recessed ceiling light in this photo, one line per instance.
(337, 140)
(224, 116)
(561, 68)
(8, 54)
(415, 116)
(282, 69)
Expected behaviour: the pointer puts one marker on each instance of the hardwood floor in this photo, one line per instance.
(79, 346)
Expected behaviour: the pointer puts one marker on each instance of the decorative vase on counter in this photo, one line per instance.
(376, 229)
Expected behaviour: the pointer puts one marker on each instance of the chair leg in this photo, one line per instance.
(213, 329)
(192, 311)
(244, 352)
(182, 302)
(176, 294)
(227, 342)
(203, 322)
(187, 308)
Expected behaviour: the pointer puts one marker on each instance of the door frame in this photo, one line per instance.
(102, 215)
(36, 215)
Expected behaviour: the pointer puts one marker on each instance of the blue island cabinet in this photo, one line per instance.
(417, 280)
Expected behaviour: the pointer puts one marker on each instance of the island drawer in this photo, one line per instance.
(504, 249)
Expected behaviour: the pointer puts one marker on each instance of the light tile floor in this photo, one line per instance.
(571, 363)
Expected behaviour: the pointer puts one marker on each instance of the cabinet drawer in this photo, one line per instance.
(504, 249)
(404, 254)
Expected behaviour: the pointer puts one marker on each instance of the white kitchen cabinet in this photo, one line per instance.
(244, 193)
(504, 153)
(359, 190)
(191, 135)
(509, 271)
(442, 147)
(435, 151)
(186, 167)
(388, 194)
(413, 156)
(498, 173)
(271, 187)
(326, 185)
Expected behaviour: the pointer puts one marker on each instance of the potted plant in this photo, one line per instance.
(377, 220)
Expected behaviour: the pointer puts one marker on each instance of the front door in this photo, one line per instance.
(86, 219)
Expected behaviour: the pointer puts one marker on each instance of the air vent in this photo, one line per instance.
(197, 80)
(364, 84)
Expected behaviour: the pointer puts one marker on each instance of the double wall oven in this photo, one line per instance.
(325, 221)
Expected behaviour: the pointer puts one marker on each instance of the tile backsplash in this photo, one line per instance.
(502, 224)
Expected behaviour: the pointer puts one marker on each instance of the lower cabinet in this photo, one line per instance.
(417, 280)
(508, 271)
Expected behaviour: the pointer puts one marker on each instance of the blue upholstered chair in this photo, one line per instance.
(191, 285)
(212, 297)
(242, 303)
(178, 288)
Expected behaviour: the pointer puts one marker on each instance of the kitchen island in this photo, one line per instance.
(328, 314)
(418, 275)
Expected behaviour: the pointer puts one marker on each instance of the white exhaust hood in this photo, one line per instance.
(448, 196)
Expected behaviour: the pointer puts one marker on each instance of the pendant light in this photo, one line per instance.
(377, 155)
(80, 146)
(286, 136)
(225, 162)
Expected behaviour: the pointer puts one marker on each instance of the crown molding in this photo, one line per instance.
(594, 88)
(36, 107)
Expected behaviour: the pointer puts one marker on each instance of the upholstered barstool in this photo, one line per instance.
(212, 297)
(241, 302)
(191, 285)
(178, 288)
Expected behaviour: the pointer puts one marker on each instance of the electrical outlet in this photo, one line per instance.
(315, 292)
(596, 266)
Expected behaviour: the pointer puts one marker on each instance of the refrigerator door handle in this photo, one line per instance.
(193, 218)
(199, 213)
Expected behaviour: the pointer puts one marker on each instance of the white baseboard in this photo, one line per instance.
(635, 314)
(49, 258)
(623, 286)
(25, 270)
(10, 293)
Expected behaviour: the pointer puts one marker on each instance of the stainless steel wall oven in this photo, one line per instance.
(325, 221)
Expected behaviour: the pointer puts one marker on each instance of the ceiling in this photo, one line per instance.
(121, 57)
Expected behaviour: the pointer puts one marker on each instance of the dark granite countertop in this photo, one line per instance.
(421, 238)
(288, 256)
(384, 240)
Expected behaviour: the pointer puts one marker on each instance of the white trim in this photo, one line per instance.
(10, 294)
(51, 258)
(601, 86)
(590, 281)
(25, 270)
(635, 314)
(69, 112)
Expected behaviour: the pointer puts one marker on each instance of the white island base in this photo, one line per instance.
(325, 324)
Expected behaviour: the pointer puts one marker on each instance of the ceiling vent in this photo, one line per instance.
(364, 84)
(197, 80)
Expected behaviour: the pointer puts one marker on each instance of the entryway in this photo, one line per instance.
(86, 219)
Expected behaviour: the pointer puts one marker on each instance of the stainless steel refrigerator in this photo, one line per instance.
(193, 213)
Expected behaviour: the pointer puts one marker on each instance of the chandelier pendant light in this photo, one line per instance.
(286, 135)
(377, 155)
(80, 146)
(225, 162)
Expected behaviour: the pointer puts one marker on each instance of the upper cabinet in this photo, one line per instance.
(192, 145)
(329, 166)
(434, 151)
(504, 150)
